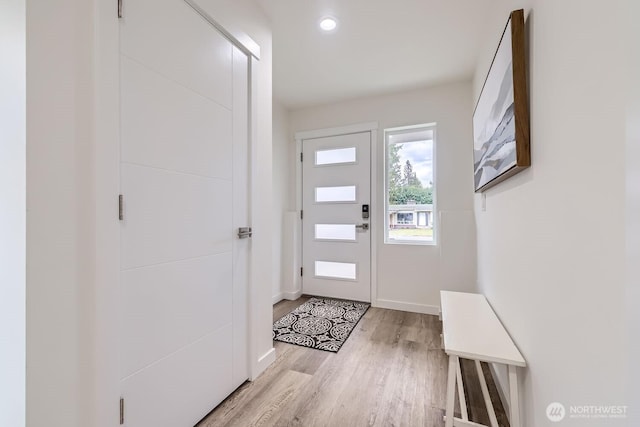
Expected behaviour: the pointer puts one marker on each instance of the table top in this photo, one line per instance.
(472, 330)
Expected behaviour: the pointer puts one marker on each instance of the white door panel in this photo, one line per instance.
(158, 112)
(336, 184)
(168, 306)
(184, 174)
(170, 38)
(177, 390)
(241, 247)
(173, 216)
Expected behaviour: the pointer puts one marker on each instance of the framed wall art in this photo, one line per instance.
(501, 118)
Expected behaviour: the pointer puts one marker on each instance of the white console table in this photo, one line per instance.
(471, 330)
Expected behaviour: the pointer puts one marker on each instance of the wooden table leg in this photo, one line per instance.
(513, 396)
(451, 389)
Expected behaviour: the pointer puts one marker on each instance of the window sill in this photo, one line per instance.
(411, 242)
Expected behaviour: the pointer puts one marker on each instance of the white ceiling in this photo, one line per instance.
(380, 46)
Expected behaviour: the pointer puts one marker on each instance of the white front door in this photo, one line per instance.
(184, 181)
(336, 240)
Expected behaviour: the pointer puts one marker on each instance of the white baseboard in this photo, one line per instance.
(292, 295)
(277, 298)
(286, 295)
(263, 363)
(407, 306)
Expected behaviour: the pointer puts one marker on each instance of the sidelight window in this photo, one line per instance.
(410, 185)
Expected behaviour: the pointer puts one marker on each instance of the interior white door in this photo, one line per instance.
(184, 178)
(336, 240)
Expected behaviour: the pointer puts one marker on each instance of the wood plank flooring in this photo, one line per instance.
(390, 372)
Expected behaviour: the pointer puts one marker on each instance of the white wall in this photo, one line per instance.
(12, 213)
(283, 195)
(60, 213)
(552, 270)
(410, 276)
(72, 180)
(633, 202)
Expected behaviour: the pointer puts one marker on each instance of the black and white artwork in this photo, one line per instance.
(494, 127)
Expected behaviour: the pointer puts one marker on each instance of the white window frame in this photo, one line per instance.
(435, 218)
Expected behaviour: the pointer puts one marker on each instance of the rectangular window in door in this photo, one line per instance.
(342, 194)
(335, 270)
(336, 232)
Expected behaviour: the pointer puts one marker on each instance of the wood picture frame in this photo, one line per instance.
(501, 146)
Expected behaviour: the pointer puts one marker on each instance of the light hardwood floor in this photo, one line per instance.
(390, 372)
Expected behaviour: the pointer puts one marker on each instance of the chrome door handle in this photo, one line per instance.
(244, 232)
(363, 227)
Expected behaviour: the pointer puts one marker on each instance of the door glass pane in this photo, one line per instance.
(336, 194)
(336, 232)
(336, 270)
(337, 156)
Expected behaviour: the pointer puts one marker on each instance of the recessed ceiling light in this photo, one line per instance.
(328, 23)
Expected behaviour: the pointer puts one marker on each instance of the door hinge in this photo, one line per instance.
(121, 410)
(119, 8)
(301, 214)
(121, 207)
(301, 157)
(300, 271)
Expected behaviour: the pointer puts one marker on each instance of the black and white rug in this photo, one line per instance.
(320, 323)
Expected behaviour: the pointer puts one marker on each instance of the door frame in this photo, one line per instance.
(373, 216)
(104, 360)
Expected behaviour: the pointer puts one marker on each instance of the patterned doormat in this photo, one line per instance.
(320, 323)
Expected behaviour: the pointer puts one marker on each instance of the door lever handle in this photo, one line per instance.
(363, 227)
(244, 232)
